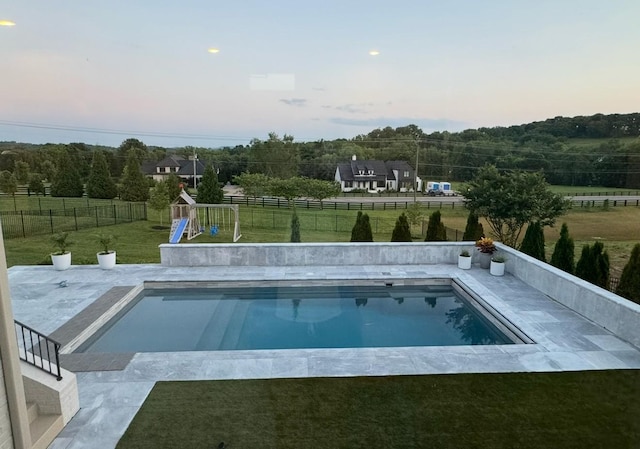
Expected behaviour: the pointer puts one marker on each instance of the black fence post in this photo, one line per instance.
(24, 234)
(97, 223)
(115, 215)
(75, 217)
(131, 212)
(51, 219)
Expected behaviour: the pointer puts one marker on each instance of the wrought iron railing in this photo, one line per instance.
(38, 350)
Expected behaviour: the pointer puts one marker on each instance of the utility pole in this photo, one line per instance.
(415, 175)
(195, 158)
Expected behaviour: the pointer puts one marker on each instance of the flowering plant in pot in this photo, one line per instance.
(106, 257)
(61, 259)
(487, 247)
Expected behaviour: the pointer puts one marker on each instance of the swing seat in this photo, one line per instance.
(214, 230)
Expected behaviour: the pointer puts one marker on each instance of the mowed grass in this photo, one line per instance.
(591, 409)
(618, 228)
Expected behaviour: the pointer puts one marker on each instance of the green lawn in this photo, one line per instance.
(592, 409)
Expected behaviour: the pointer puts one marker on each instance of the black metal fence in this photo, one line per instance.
(38, 350)
(26, 223)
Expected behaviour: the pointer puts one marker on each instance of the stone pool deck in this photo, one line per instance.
(564, 340)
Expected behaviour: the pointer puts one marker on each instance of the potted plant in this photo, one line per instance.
(106, 257)
(486, 247)
(464, 260)
(497, 266)
(61, 259)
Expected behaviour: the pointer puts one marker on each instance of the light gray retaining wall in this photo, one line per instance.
(620, 316)
(300, 254)
(610, 311)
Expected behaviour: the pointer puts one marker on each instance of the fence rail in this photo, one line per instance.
(393, 205)
(26, 223)
(38, 350)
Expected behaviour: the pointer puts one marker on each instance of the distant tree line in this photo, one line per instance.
(602, 150)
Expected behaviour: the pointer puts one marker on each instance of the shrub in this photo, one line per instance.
(474, 230)
(295, 227)
(629, 286)
(563, 253)
(533, 242)
(402, 231)
(436, 232)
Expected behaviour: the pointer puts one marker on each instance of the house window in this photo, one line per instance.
(361, 172)
(348, 183)
(380, 183)
(406, 173)
(370, 172)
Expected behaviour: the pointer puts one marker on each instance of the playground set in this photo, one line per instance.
(185, 218)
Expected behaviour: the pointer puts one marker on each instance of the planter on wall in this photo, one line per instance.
(497, 268)
(485, 260)
(464, 262)
(107, 261)
(61, 262)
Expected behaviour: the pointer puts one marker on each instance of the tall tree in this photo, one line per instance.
(48, 169)
(159, 198)
(209, 191)
(134, 185)
(629, 286)
(173, 186)
(401, 231)
(295, 227)
(563, 252)
(275, 157)
(35, 184)
(67, 180)
(126, 148)
(21, 172)
(473, 231)
(533, 242)
(8, 182)
(508, 201)
(99, 183)
(436, 231)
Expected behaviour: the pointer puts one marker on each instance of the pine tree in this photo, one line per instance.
(356, 231)
(629, 286)
(563, 253)
(436, 231)
(474, 230)
(361, 231)
(159, 198)
(402, 231)
(67, 180)
(593, 265)
(533, 242)
(209, 191)
(367, 235)
(134, 185)
(295, 227)
(602, 265)
(100, 184)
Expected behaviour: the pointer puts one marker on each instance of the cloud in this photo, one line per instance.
(425, 123)
(354, 108)
(299, 102)
(319, 89)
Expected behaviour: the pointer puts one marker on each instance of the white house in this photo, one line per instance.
(375, 176)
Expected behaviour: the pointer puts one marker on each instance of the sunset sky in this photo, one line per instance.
(100, 72)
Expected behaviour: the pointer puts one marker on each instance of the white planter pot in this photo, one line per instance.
(61, 262)
(107, 261)
(497, 268)
(464, 262)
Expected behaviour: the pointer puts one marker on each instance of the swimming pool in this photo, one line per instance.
(281, 316)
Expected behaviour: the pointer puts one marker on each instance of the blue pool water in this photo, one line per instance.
(295, 317)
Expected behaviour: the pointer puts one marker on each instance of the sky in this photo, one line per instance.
(101, 72)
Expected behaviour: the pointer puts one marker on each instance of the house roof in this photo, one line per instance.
(401, 167)
(349, 171)
(170, 161)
